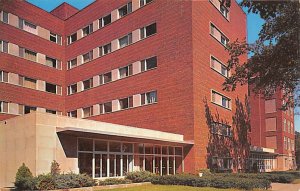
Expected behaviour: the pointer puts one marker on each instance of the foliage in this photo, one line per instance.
(275, 55)
(55, 170)
(113, 181)
(297, 149)
(140, 176)
(24, 179)
(212, 181)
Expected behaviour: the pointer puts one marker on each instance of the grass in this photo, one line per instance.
(168, 188)
(296, 181)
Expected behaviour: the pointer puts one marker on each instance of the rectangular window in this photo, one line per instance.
(105, 21)
(219, 67)
(51, 88)
(55, 38)
(30, 55)
(29, 83)
(4, 46)
(72, 89)
(5, 17)
(105, 78)
(87, 30)
(126, 103)
(51, 62)
(3, 107)
(29, 109)
(87, 84)
(125, 71)
(50, 111)
(149, 63)
(144, 2)
(3, 76)
(72, 63)
(87, 57)
(126, 9)
(105, 49)
(285, 143)
(148, 31)
(218, 35)
(106, 107)
(148, 98)
(220, 129)
(284, 124)
(87, 112)
(72, 113)
(125, 41)
(224, 11)
(29, 27)
(221, 100)
(72, 38)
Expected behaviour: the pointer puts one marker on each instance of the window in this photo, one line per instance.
(52, 62)
(29, 83)
(148, 98)
(105, 21)
(3, 107)
(288, 126)
(27, 26)
(221, 100)
(5, 17)
(284, 124)
(106, 107)
(53, 88)
(126, 9)
(105, 49)
(3, 76)
(29, 109)
(126, 103)
(72, 113)
(105, 78)
(125, 71)
(3, 46)
(149, 63)
(126, 40)
(87, 112)
(72, 63)
(87, 84)
(87, 57)
(220, 129)
(72, 38)
(219, 67)
(50, 111)
(55, 38)
(285, 143)
(30, 55)
(224, 11)
(87, 30)
(144, 2)
(218, 35)
(148, 31)
(72, 89)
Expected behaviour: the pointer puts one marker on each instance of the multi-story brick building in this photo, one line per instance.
(146, 76)
(272, 133)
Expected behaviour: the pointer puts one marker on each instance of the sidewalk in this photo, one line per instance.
(285, 187)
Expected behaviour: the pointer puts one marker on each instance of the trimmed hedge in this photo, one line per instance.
(210, 181)
(113, 181)
(140, 176)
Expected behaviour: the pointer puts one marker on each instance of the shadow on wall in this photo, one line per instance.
(228, 145)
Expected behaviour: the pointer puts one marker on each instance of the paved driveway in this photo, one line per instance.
(285, 187)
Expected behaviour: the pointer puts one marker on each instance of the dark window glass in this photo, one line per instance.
(51, 88)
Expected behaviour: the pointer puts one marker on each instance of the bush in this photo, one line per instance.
(45, 182)
(140, 176)
(55, 170)
(212, 181)
(24, 179)
(113, 181)
(72, 180)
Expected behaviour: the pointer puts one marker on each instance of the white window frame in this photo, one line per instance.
(222, 65)
(2, 17)
(145, 95)
(69, 38)
(143, 31)
(69, 89)
(2, 46)
(101, 21)
(143, 3)
(127, 38)
(222, 34)
(223, 96)
(2, 75)
(90, 30)
(2, 106)
(128, 11)
(69, 63)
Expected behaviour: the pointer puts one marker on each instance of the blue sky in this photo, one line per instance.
(254, 23)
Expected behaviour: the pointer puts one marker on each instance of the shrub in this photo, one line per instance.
(140, 176)
(24, 179)
(55, 170)
(72, 180)
(45, 182)
(113, 181)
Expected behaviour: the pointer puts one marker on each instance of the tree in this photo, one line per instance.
(297, 145)
(274, 64)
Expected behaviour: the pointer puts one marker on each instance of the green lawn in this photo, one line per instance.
(168, 188)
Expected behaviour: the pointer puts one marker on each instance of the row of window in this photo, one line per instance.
(103, 21)
(29, 83)
(116, 105)
(13, 49)
(220, 99)
(289, 144)
(29, 27)
(107, 48)
(221, 129)
(20, 109)
(107, 77)
(218, 35)
(288, 126)
(219, 67)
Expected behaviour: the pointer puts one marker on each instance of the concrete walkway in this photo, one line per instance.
(285, 187)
